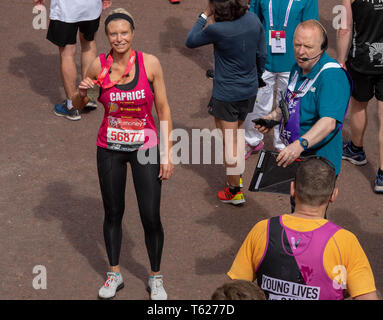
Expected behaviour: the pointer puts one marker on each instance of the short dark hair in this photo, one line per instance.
(229, 10)
(315, 181)
(238, 290)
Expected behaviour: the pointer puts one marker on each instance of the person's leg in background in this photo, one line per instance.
(64, 35)
(363, 92)
(262, 107)
(233, 139)
(358, 113)
(88, 53)
(353, 151)
(68, 69)
(87, 35)
(379, 176)
(281, 83)
(69, 77)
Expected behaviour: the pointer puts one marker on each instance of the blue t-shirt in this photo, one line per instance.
(301, 10)
(239, 52)
(328, 97)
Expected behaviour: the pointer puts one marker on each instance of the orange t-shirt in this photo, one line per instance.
(343, 259)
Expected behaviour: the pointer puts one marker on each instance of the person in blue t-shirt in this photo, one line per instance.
(317, 97)
(279, 19)
(239, 57)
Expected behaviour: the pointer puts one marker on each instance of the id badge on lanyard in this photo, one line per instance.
(277, 38)
(278, 41)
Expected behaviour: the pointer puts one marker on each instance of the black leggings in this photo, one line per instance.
(112, 170)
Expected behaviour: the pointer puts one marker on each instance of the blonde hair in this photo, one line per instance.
(119, 10)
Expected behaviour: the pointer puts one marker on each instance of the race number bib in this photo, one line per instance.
(125, 134)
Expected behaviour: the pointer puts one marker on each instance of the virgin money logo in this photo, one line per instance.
(133, 124)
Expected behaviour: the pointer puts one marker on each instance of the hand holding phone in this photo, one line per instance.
(265, 122)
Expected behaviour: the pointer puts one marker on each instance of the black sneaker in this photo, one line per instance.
(357, 158)
(92, 105)
(62, 110)
(379, 183)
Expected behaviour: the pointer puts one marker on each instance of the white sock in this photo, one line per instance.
(69, 104)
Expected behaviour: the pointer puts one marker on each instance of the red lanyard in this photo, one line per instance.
(108, 65)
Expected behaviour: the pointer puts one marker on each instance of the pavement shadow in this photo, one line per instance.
(368, 170)
(236, 222)
(81, 220)
(41, 70)
(202, 113)
(174, 37)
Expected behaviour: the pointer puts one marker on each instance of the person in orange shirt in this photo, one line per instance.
(302, 256)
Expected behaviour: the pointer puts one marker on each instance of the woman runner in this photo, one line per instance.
(129, 82)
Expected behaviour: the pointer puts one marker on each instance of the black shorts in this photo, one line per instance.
(63, 33)
(231, 111)
(366, 86)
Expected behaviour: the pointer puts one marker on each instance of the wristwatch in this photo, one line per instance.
(304, 143)
(203, 15)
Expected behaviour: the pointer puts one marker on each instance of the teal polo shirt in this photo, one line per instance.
(301, 10)
(328, 97)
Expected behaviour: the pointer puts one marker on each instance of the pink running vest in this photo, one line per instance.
(128, 124)
(292, 266)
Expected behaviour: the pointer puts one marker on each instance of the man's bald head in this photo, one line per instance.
(319, 30)
(310, 42)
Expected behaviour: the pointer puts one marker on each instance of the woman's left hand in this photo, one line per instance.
(166, 170)
(84, 85)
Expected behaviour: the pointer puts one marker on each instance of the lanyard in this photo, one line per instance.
(108, 65)
(307, 84)
(300, 90)
(286, 17)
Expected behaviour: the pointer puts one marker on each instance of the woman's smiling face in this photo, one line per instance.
(120, 35)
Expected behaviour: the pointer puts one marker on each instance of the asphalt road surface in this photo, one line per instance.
(50, 203)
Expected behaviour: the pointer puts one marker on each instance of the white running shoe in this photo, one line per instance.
(156, 288)
(113, 283)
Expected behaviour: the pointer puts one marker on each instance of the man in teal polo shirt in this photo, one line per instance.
(317, 97)
(279, 19)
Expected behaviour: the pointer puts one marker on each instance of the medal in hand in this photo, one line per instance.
(93, 93)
